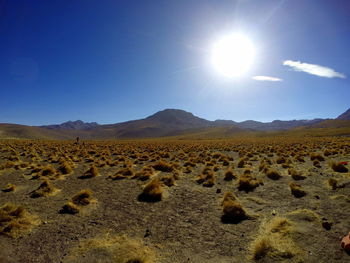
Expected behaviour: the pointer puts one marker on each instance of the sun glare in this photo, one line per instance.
(232, 55)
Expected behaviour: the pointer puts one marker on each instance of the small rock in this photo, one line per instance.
(218, 191)
(327, 225)
(148, 233)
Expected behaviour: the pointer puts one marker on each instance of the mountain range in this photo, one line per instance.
(171, 122)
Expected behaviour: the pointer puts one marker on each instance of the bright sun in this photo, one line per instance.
(232, 55)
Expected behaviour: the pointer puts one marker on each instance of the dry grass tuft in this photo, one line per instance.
(118, 249)
(229, 175)
(152, 192)
(9, 188)
(209, 180)
(338, 167)
(304, 215)
(233, 211)
(207, 177)
(343, 198)
(274, 243)
(168, 180)
(332, 183)
(70, 208)
(45, 189)
(241, 163)
(163, 166)
(316, 163)
(281, 160)
(296, 175)
(273, 174)
(248, 182)
(92, 172)
(48, 171)
(318, 157)
(80, 200)
(300, 158)
(15, 220)
(327, 152)
(296, 190)
(145, 173)
(263, 166)
(122, 174)
(65, 168)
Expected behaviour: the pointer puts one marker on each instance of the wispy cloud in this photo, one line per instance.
(266, 78)
(313, 69)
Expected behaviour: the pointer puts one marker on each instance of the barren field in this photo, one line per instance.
(239, 200)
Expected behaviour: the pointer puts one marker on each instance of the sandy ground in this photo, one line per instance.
(186, 225)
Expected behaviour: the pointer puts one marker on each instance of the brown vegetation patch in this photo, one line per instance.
(296, 175)
(46, 188)
(118, 249)
(65, 168)
(241, 163)
(248, 182)
(317, 157)
(9, 188)
(207, 177)
(229, 175)
(296, 190)
(80, 200)
(273, 174)
(92, 172)
(233, 211)
(15, 220)
(145, 173)
(163, 166)
(332, 183)
(168, 180)
(274, 243)
(339, 167)
(123, 173)
(152, 192)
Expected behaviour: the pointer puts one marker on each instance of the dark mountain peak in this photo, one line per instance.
(344, 116)
(224, 123)
(72, 125)
(250, 122)
(170, 113)
(175, 116)
(78, 122)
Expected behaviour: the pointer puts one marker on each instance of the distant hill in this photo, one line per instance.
(180, 118)
(174, 123)
(72, 125)
(163, 123)
(16, 131)
(325, 128)
(344, 116)
(276, 124)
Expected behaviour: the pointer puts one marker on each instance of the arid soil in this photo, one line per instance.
(286, 200)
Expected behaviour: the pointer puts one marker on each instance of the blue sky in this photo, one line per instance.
(112, 61)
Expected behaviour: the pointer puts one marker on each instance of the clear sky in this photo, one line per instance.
(118, 60)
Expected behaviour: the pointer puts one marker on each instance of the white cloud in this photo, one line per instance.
(313, 69)
(266, 78)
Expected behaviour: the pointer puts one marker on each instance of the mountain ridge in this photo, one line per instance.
(181, 117)
(165, 123)
(71, 125)
(344, 116)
